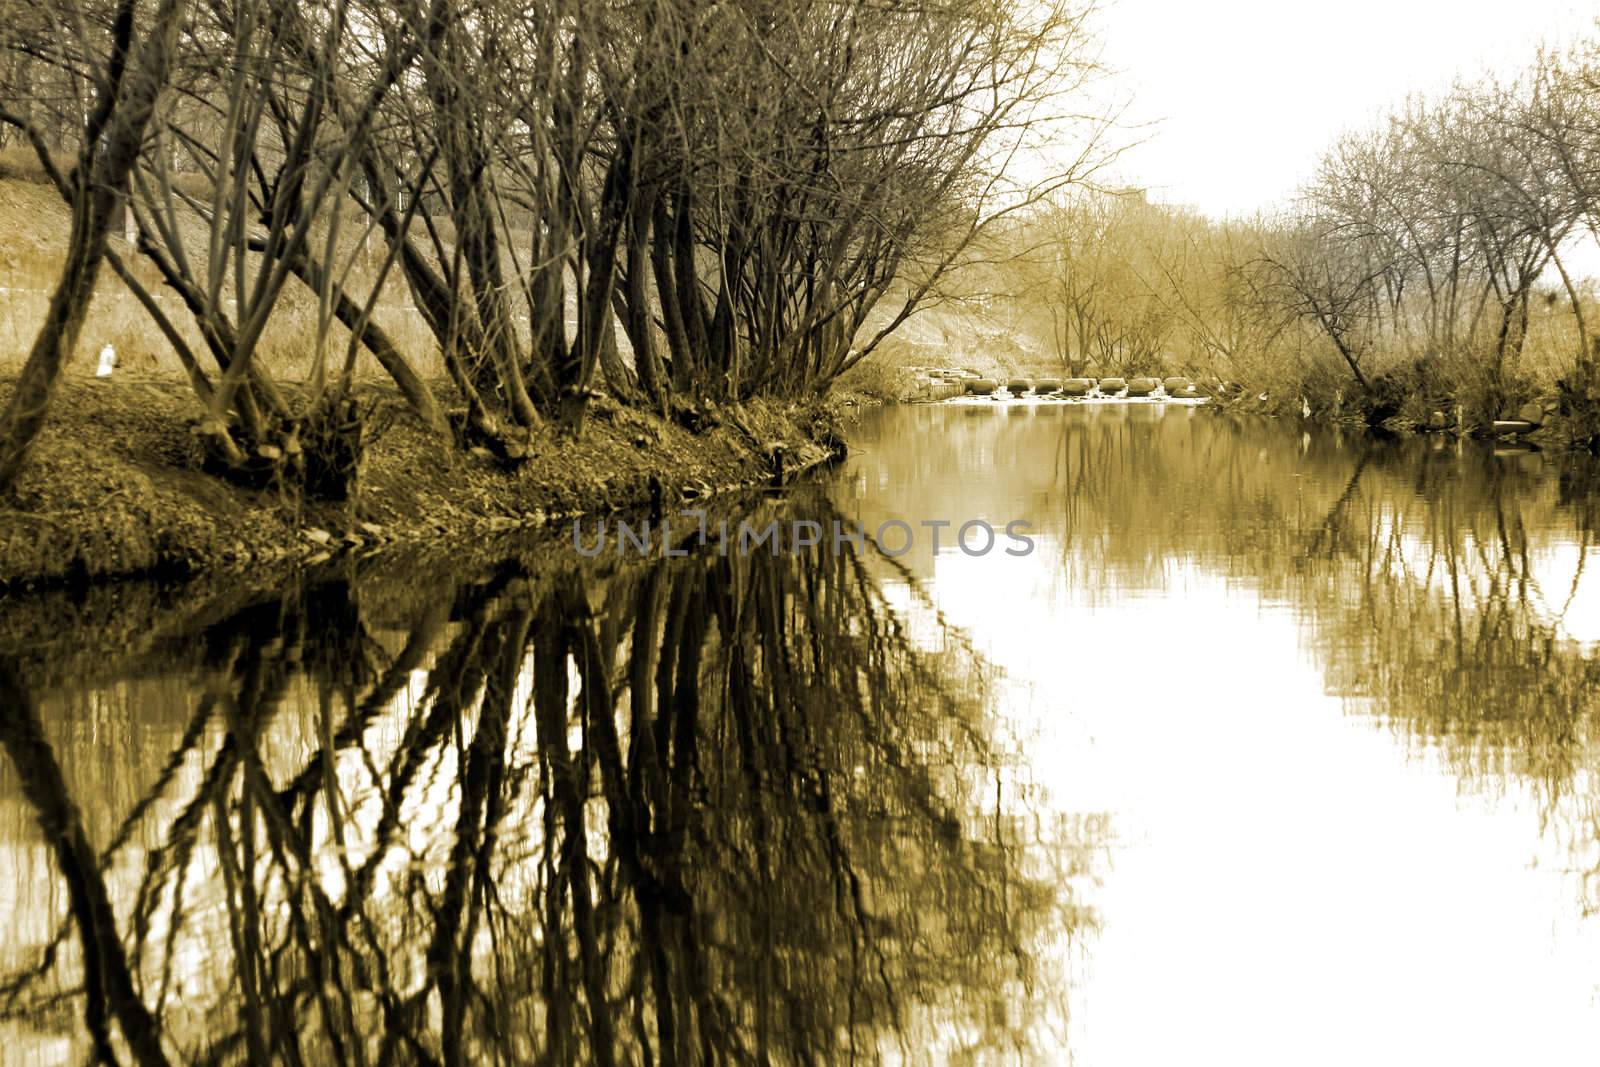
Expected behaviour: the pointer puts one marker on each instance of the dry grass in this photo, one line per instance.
(18, 162)
(35, 222)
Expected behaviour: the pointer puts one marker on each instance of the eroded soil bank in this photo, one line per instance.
(115, 486)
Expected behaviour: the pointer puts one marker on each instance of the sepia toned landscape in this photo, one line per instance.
(685, 532)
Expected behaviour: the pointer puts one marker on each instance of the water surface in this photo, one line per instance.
(1278, 747)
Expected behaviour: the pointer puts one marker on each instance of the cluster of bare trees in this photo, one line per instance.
(1431, 248)
(1436, 232)
(1114, 283)
(677, 201)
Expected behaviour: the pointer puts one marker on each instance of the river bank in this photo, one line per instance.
(114, 487)
(1559, 424)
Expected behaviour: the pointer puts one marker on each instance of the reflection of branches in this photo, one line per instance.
(107, 981)
(1333, 525)
(721, 818)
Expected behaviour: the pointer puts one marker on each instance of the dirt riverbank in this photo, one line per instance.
(114, 487)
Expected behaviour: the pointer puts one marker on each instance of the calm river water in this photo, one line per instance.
(1278, 747)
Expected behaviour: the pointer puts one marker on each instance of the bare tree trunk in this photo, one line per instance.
(112, 139)
(619, 379)
(1344, 350)
(641, 331)
(661, 248)
(599, 254)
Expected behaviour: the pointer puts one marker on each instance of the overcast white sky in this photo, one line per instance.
(1247, 93)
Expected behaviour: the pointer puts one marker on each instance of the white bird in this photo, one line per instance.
(108, 362)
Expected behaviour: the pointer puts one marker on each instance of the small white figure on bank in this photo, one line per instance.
(108, 362)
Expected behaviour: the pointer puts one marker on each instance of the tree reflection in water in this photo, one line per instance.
(1443, 587)
(710, 809)
(1419, 571)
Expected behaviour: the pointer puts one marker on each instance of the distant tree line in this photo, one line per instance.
(681, 202)
(1427, 260)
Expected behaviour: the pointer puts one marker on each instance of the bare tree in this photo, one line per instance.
(127, 64)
